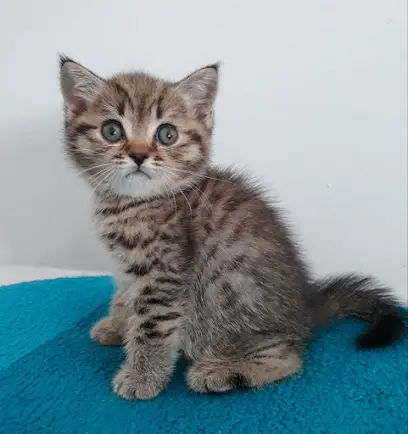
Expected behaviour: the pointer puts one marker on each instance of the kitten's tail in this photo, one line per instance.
(363, 297)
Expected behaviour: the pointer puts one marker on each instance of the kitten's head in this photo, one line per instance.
(136, 135)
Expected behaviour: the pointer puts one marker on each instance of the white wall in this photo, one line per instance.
(313, 99)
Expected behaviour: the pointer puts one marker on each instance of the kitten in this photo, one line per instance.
(205, 265)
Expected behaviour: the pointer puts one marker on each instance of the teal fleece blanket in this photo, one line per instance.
(54, 379)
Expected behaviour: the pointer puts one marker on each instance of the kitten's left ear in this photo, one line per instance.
(200, 88)
(79, 85)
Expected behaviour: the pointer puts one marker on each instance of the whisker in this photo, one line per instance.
(104, 178)
(192, 173)
(195, 188)
(170, 190)
(96, 175)
(91, 168)
(201, 193)
(185, 197)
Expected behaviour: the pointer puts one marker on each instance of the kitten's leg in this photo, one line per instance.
(152, 342)
(260, 366)
(110, 330)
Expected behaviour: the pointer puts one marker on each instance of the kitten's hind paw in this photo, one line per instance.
(205, 379)
(106, 333)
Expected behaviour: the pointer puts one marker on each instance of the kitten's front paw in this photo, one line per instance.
(132, 384)
(105, 332)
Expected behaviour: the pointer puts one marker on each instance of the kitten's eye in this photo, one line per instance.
(166, 134)
(112, 131)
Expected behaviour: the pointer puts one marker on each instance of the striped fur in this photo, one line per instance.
(205, 263)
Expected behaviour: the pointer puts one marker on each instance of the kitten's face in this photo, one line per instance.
(134, 135)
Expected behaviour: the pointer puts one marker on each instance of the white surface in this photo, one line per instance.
(15, 274)
(313, 100)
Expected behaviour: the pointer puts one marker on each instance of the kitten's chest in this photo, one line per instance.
(128, 241)
(127, 231)
(136, 233)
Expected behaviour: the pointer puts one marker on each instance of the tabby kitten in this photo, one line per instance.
(205, 265)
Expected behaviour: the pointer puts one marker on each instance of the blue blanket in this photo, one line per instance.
(53, 379)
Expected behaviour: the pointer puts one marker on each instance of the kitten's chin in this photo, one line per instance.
(137, 185)
(146, 185)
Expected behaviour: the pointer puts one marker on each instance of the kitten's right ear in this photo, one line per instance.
(79, 86)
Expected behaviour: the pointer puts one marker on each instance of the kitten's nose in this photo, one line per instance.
(138, 157)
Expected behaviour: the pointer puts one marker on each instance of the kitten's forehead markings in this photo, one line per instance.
(108, 109)
(128, 127)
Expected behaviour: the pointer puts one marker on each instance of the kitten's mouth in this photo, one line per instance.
(138, 172)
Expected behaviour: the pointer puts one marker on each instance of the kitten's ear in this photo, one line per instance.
(79, 86)
(200, 88)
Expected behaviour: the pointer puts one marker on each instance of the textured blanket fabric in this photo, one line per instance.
(53, 379)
